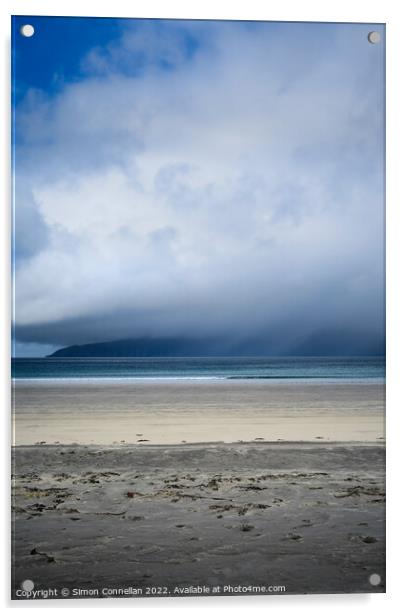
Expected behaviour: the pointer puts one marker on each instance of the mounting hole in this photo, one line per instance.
(374, 37)
(27, 30)
(27, 585)
(374, 579)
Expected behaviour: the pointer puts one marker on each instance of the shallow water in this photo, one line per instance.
(202, 367)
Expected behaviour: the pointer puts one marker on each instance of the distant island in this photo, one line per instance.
(145, 347)
(339, 343)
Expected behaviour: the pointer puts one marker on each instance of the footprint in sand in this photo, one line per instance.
(305, 524)
(35, 552)
(364, 539)
(293, 537)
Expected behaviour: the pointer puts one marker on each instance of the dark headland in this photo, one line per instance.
(340, 344)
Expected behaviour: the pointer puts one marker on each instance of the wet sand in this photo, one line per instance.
(307, 517)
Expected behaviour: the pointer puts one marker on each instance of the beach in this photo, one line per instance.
(309, 517)
(278, 485)
(172, 411)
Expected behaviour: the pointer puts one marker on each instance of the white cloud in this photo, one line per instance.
(225, 193)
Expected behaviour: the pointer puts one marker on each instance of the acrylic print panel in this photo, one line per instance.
(198, 334)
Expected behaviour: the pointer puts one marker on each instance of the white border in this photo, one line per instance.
(286, 10)
(385, 11)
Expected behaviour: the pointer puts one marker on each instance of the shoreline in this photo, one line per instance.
(165, 380)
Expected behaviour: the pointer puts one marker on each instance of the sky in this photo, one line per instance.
(198, 179)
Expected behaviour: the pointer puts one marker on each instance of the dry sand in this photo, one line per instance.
(191, 411)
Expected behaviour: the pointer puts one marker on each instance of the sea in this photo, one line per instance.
(275, 368)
